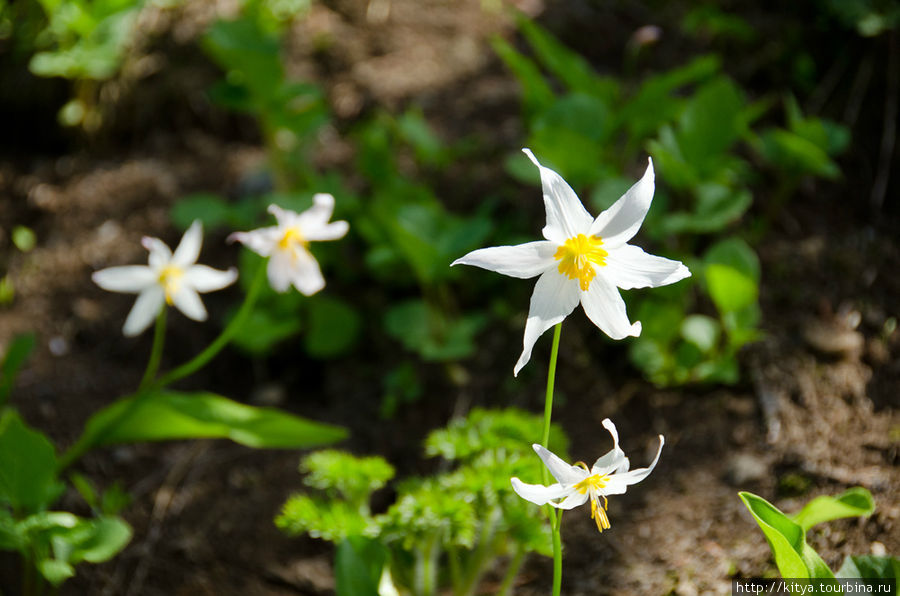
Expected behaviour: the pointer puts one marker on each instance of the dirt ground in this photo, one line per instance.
(815, 414)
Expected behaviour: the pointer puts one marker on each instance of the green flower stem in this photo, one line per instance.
(159, 338)
(555, 517)
(512, 572)
(220, 342)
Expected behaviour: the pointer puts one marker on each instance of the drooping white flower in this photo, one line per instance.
(582, 260)
(287, 244)
(169, 278)
(577, 484)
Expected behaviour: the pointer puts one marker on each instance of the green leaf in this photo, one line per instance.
(333, 327)
(265, 328)
(702, 331)
(211, 209)
(793, 556)
(358, 564)
(95, 540)
(171, 415)
(10, 537)
(872, 568)
(55, 571)
(730, 289)
(710, 124)
(27, 466)
(249, 55)
(855, 502)
(16, 355)
(735, 253)
(24, 238)
(354, 478)
(536, 93)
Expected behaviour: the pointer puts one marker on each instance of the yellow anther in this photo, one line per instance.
(598, 514)
(292, 237)
(169, 278)
(577, 257)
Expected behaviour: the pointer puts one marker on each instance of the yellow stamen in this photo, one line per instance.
(169, 279)
(592, 483)
(598, 514)
(577, 257)
(291, 238)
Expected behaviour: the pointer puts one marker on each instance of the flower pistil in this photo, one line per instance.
(577, 257)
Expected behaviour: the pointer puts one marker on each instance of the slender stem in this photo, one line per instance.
(220, 342)
(512, 572)
(548, 402)
(159, 338)
(557, 554)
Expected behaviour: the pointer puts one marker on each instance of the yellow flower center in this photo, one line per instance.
(291, 238)
(577, 257)
(169, 279)
(592, 483)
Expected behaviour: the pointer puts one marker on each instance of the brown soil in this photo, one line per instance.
(815, 415)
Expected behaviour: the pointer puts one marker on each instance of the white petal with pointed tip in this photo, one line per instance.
(189, 248)
(306, 275)
(618, 224)
(145, 309)
(554, 298)
(619, 482)
(160, 254)
(262, 241)
(629, 267)
(522, 260)
(538, 493)
(326, 231)
(604, 306)
(572, 501)
(614, 457)
(206, 279)
(129, 279)
(563, 472)
(566, 216)
(187, 300)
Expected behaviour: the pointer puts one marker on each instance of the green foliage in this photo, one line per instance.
(16, 354)
(443, 530)
(869, 567)
(169, 415)
(787, 535)
(28, 480)
(358, 566)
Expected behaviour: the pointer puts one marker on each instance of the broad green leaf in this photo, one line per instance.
(16, 355)
(92, 540)
(55, 571)
(358, 565)
(730, 289)
(171, 415)
(10, 538)
(265, 328)
(701, 331)
(27, 466)
(333, 327)
(855, 502)
(793, 556)
(735, 253)
(710, 124)
(870, 567)
(249, 55)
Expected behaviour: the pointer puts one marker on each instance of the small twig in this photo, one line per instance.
(889, 128)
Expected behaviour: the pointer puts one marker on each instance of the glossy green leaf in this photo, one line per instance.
(27, 466)
(170, 415)
(730, 289)
(871, 567)
(358, 565)
(855, 502)
(793, 556)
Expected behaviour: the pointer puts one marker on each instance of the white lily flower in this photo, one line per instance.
(169, 278)
(582, 260)
(287, 244)
(576, 484)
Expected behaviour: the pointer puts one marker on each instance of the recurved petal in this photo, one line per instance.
(574, 500)
(189, 248)
(160, 253)
(613, 459)
(538, 493)
(261, 241)
(604, 306)
(320, 212)
(284, 217)
(630, 267)
(619, 482)
(522, 261)
(145, 309)
(207, 279)
(554, 298)
(618, 224)
(566, 216)
(318, 232)
(305, 273)
(564, 473)
(188, 301)
(129, 279)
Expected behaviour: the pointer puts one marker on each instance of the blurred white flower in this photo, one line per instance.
(582, 260)
(173, 279)
(287, 244)
(575, 485)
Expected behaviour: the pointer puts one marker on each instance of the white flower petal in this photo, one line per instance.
(187, 300)
(630, 267)
(129, 279)
(538, 493)
(554, 298)
(306, 275)
(160, 253)
(189, 248)
(325, 231)
(613, 459)
(566, 216)
(206, 279)
(522, 261)
(618, 224)
(619, 482)
(572, 501)
(319, 213)
(563, 472)
(261, 241)
(604, 306)
(279, 271)
(284, 217)
(145, 309)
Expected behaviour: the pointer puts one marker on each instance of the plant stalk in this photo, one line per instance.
(159, 339)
